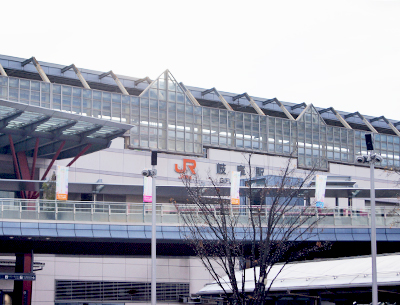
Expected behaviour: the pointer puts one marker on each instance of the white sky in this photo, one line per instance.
(344, 54)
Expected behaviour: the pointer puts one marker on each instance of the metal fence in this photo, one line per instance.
(168, 213)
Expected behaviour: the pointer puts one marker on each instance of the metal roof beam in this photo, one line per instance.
(395, 130)
(338, 116)
(89, 131)
(251, 101)
(369, 125)
(221, 98)
(189, 94)
(117, 81)
(2, 72)
(78, 73)
(29, 128)
(50, 148)
(298, 106)
(24, 135)
(145, 79)
(4, 121)
(278, 102)
(38, 68)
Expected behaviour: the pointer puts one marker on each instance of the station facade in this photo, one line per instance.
(103, 126)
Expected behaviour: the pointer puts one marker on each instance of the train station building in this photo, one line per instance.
(103, 127)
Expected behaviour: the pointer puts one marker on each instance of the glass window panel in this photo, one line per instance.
(215, 117)
(106, 96)
(180, 109)
(14, 94)
(3, 81)
(24, 84)
(180, 98)
(153, 93)
(106, 106)
(135, 101)
(66, 90)
(96, 105)
(189, 110)
(24, 95)
(35, 97)
(162, 95)
(14, 82)
(87, 105)
(180, 135)
(171, 96)
(76, 102)
(161, 83)
(97, 95)
(35, 86)
(116, 98)
(171, 85)
(45, 87)
(77, 92)
(3, 92)
(87, 93)
(180, 146)
(189, 147)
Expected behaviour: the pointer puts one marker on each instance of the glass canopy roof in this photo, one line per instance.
(24, 124)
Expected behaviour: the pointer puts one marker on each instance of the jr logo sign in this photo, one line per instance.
(187, 164)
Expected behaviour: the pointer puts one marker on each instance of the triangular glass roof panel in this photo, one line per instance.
(310, 115)
(166, 87)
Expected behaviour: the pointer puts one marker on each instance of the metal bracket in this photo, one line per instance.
(78, 73)
(117, 81)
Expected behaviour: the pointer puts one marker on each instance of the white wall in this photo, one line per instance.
(113, 268)
(124, 166)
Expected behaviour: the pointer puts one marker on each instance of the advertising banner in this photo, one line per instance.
(147, 189)
(62, 183)
(235, 185)
(320, 185)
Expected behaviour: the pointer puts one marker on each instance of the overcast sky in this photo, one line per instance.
(344, 54)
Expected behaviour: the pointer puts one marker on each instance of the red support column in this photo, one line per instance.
(15, 161)
(78, 155)
(22, 294)
(34, 158)
(24, 169)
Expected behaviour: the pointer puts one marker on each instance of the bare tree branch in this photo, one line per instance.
(270, 228)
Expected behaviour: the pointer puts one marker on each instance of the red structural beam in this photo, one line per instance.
(53, 160)
(15, 161)
(16, 168)
(80, 154)
(36, 194)
(35, 152)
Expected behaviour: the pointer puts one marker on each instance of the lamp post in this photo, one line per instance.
(153, 174)
(372, 158)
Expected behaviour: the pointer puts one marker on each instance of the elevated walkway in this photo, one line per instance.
(132, 221)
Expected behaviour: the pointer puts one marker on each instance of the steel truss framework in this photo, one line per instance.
(167, 116)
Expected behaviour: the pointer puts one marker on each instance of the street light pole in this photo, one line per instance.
(153, 231)
(371, 159)
(373, 235)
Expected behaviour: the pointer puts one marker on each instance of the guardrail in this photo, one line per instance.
(168, 213)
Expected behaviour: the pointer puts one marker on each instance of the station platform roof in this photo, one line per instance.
(24, 124)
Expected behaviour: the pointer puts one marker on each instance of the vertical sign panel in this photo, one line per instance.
(235, 184)
(147, 189)
(320, 185)
(62, 183)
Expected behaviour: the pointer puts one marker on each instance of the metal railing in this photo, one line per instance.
(168, 213)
